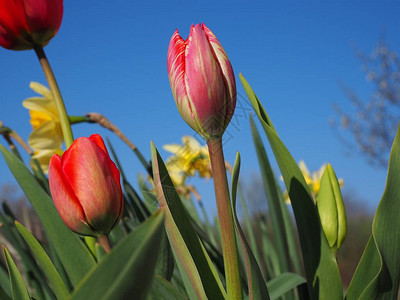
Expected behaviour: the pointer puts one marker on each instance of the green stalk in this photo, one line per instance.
(51, 80)
(226, 222)
(78, 119)
(104, 241)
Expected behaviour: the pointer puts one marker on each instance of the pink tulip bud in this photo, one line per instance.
(85, 186)
(25, 24)
(202, 81)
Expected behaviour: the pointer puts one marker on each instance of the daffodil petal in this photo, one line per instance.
(45, 105)
(46, 136)
(173, 148)
(191, 142)
(40, 89)
(43, 157)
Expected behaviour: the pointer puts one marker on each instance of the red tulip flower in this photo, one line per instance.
(85, 186)
(25, 24)
(202, 81)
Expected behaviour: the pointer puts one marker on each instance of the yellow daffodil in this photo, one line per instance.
(46, 138)
(43, 157)
(313, 180)
(187, 160)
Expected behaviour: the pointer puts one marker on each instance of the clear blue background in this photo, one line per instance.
(110, 57)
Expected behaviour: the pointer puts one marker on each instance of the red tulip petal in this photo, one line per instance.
(12, 22)
(204, 77)
(65, 200)
(97, 139)
(176, 67)
(93, 179)
(42, 15)
(226, 68)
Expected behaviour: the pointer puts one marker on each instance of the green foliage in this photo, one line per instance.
(198, 274)
(255, 280)
(377, 275)
(128, 269)
(18, 286)
(54, 278)
(322, 272)
(167, 248)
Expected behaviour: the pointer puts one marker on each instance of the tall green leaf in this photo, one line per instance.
(128, 269)
(322, 273)
(34, 275)
(281, 220)
(255, 280)
(44, 261)
(162, 289)
(284, 283)
(18, 286)
(5, 282)
(274, 206)
(73, 254)
(377, 275)
(199, 275)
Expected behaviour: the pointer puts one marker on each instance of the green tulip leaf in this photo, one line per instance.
(165, 262)
(36, 276)
(256, 284)
(322, 273)
(5, 286)
(73, 254)
(281, 223)
(18, 287)
(198, 273)
(377, 274)
(283, 283)
(128, 269)
(44, 261)
(162, 289)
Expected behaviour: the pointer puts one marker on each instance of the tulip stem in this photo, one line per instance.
(57, 98)
(226, 222)
(104, 242)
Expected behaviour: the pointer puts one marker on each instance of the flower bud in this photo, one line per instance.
(85, 186)
(331, 209)
(202, 81)
(25, 24)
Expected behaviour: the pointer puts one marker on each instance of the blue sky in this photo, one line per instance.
(110, 57)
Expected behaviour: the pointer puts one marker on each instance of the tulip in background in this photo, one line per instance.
(31, 24)
(85, 186)
(202, 81)
(26, 24)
